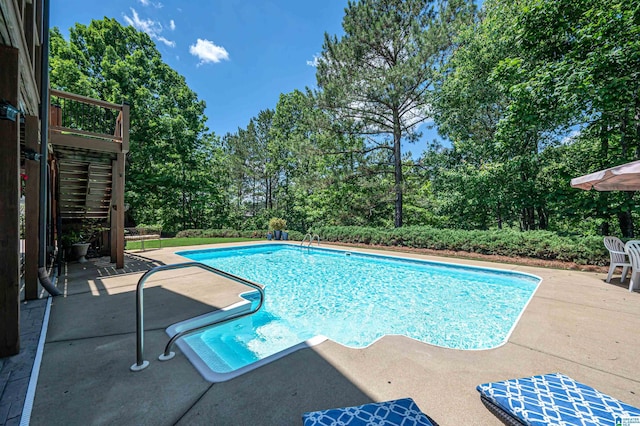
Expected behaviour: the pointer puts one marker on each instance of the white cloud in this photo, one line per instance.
(149, 26)
(315, 61)
(157, 5)
(207, 51)
(172, 25)
(167, 42)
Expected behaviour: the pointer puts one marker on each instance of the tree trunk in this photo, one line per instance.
(637, 120)
(625, 219)
(543, 220)
(397, 164)
(626, 224)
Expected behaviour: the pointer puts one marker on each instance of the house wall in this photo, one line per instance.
(20, 35)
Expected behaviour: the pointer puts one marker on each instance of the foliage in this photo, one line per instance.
(528, 94)
(70, 237)
(277, 223)
(538, 92)
(379, 74)
(534, 244)
(184, 241)
(232, 233)
(172, 159)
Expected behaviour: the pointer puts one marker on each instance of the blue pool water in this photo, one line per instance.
(355, 299)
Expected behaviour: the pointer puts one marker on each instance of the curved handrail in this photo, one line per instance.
(140, 362)
(305, 239)
(311, 238)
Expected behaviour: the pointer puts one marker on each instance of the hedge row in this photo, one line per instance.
(232, 233)
(533, 244)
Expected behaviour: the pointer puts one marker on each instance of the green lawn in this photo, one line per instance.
(179, 242)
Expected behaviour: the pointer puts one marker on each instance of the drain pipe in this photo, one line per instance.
(43, 275)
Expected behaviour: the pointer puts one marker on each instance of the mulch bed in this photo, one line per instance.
(526, 261)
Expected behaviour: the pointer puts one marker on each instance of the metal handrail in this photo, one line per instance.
(311, 238)
(141, 364)
(305, 239)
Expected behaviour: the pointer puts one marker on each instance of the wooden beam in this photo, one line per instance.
(118, 196)
(13, 16)
(84, 99)
(29, 32)
(83, 142)
(32, 209)
(9, 207)
(113, 222)
(71, 131)
(125, 128)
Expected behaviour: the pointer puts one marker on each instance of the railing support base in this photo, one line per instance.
(136, 367)
(164, 357)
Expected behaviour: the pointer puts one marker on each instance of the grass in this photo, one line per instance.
(180, 242)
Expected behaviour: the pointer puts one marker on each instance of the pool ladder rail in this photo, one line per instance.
(141, 363)
(313, 237)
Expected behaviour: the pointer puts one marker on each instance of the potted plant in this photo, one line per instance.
(285, 235)
(76, 240)
(75, 245)
(277, 224)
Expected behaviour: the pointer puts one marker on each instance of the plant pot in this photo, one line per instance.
(79, 251)
(269, 236)
(285, 235)
(277, 234)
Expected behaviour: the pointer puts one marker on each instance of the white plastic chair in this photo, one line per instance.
(632, 248)
(618, 257)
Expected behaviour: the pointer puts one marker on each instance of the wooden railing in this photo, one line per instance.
(79, 115)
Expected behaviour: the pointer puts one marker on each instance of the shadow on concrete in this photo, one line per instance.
(85, 376)
(277, 393)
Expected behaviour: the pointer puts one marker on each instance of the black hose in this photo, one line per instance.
(43, 276)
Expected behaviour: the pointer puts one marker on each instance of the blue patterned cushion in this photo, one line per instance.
(403, 412)
(555, 399)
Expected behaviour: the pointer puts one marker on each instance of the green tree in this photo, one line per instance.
(379, 74)
(169, 145)
(581, 62)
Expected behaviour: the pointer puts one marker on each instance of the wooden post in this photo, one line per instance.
(117, 211)
(113, 222)
(9, 208)
(32, 209)
(119, 198)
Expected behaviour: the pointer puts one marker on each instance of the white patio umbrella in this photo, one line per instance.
(625, 177)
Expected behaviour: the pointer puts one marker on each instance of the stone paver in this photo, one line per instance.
(15, 371)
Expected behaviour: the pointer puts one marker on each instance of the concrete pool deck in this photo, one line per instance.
(575, 324)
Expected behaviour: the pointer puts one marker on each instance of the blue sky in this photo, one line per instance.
(237, 55)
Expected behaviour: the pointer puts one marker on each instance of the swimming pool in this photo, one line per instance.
(354, 299)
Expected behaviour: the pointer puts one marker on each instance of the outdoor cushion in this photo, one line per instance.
(403, 412)
(554, 399)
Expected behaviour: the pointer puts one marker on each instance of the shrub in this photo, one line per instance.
(227, 233)
(533, 244)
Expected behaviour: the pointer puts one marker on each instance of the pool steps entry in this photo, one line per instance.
(141, 363)
(311, 239)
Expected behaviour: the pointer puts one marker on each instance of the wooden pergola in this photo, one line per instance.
(87, 143)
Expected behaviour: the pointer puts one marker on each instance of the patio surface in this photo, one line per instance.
(576, 324)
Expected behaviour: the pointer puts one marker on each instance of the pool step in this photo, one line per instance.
(247, 340)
